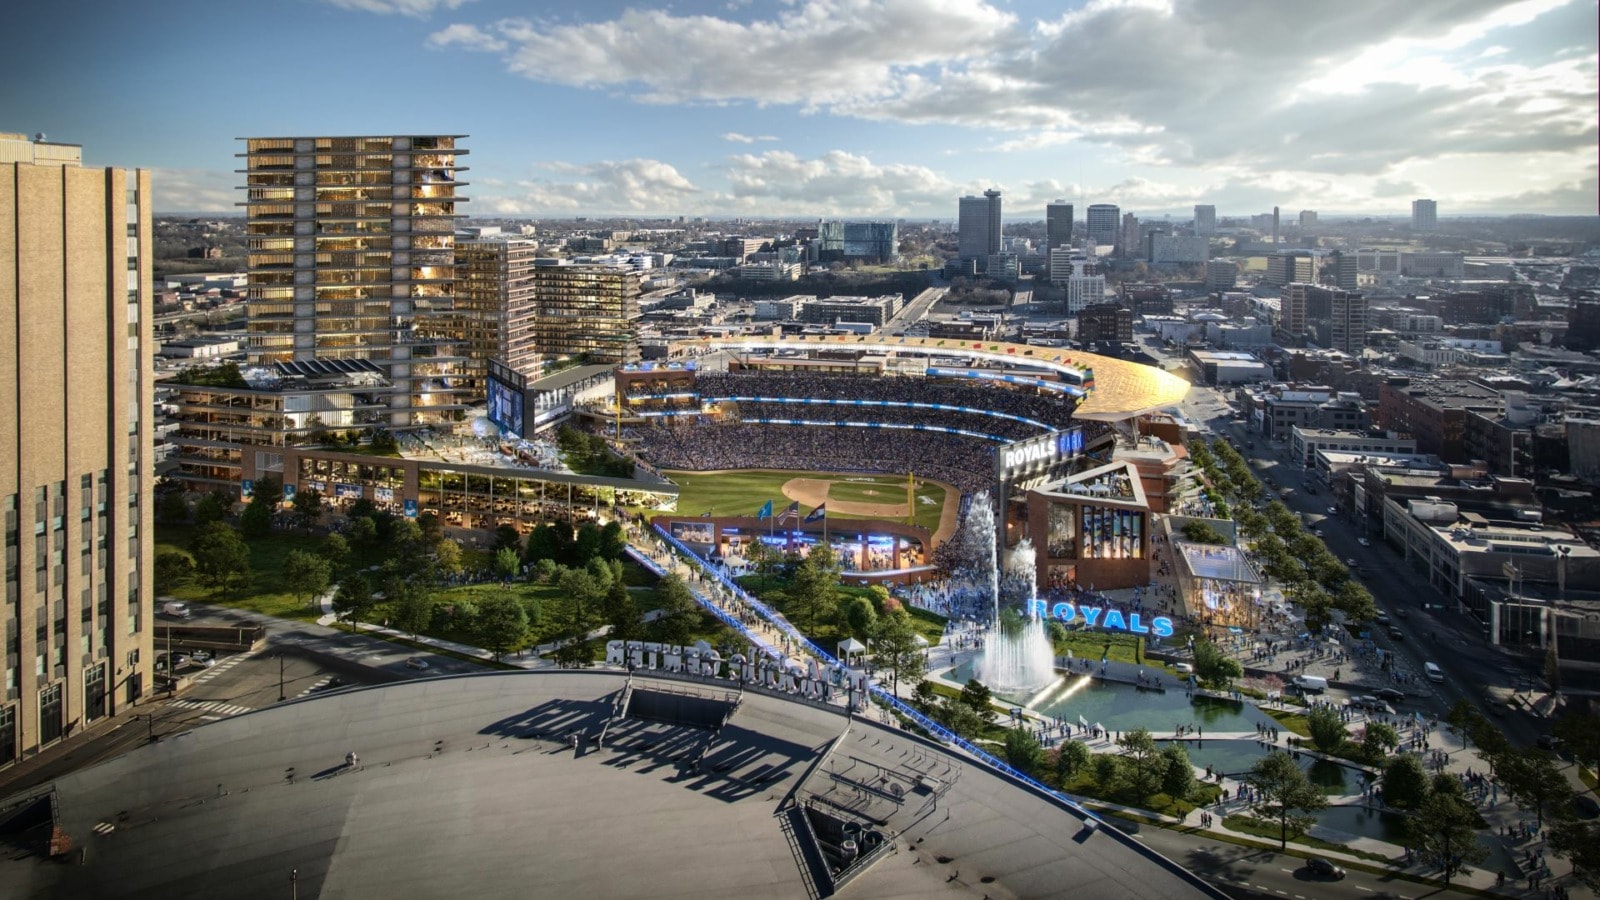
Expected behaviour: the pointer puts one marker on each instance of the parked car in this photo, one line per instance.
(1353, 563)
(416, 662)
(1396, 633)
(1323, 868)
(1364, 542)
(1333, 510)
(1382, 619)
(1393, 695)
(201, 656)
(1183, 668)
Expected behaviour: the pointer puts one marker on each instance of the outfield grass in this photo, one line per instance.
(742, 493)
(265, 592)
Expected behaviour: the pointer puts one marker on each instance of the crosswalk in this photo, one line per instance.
(211, 706)
(315, 687)
(220, 667)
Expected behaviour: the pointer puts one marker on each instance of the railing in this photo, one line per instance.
(934, 729)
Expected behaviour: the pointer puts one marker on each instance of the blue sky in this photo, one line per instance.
(847, 107)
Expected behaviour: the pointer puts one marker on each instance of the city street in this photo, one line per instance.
(1434, 631)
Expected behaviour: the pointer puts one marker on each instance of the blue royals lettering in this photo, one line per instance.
(1160, 626)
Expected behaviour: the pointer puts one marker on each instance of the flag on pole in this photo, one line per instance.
(1084, 723)
(766, 511)
(792, 509)
(820, 512)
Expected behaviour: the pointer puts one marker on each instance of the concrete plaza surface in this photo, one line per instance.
(498, 784)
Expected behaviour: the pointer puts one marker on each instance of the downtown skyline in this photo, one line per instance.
(848, 108)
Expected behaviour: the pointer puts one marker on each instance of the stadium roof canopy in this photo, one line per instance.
(470, 786)
(1122, 389)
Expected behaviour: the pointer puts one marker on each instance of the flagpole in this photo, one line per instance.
(911, 497)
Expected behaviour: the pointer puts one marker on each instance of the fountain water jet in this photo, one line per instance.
(1017, 654)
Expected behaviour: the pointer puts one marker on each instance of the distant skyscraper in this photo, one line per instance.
(1289, 266)
(978, 226)
(1344, 266)
(1205, 220)
(76, 404)
(1101, 222)
(1308, 219)
(1424, 214)
(1275, 231)
(1130, 244)
(1292, 311)
(1349, 331)
(1057, 225)
(352, 256)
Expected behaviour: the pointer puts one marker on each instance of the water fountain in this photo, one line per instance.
(1017, 654)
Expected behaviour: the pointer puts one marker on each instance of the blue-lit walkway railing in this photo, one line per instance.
(934, 729)
(892, 404)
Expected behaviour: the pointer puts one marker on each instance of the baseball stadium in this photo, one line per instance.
(874, 445)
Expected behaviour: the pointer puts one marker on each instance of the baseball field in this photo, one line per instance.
(743, 492)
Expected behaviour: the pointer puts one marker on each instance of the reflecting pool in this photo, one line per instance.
(1118, 706)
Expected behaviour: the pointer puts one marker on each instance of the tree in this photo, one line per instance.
(506, 563)
(613, 541)
(1405, 784)
(502, 623)
(507, 537)
(1202, 533)
(256, 521)
(858, 616)
(306, 574)
(446, 557)
(895, 648)
(1327, 729)
(1144, 766)
(959, 718)
(977, 695)
(586, 545)
(678, 610)
(1177, 778)
(354, 599)
(1579, 843)
(335, 549)
(1355, 601)
(364, 535)
(1442, 829)
(1578, 731)
(765, 559)
(173, 509)
(308, 507)
(545, 571)
(1213, 667)
(1534, 782)
(1284, 794)
(1377, 740)
(814, 588)
(411, 610)
(213, 507)
(622, 614)
(1071, 759)
(220, 556)
(924, 695)
(1108, 772)
(1023, 750)
(171, 569)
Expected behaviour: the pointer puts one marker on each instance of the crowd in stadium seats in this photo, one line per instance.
(1007, 429)
(1053, 410)
(967, 463)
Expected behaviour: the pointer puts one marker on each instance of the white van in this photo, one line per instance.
(1311, 684)
(1433, 672)
(175, 609)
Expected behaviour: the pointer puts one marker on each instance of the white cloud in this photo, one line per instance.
(195, 190)
(837, 183)
(738, 138)
(414, 8)
(467, 37)
(621, 186)
(1228, 89)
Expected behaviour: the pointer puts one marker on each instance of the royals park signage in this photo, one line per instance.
(1101, 617)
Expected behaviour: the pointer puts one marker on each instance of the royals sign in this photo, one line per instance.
(1094, 616)
(1043, 450)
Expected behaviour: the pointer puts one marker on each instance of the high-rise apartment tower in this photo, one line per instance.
(352, 256)
(978, 227)
(1101, 221)
(1205, 219)
(1057, 225)
(1424, 214)
(76, 447)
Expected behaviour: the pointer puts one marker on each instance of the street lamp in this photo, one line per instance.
(280, 677)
